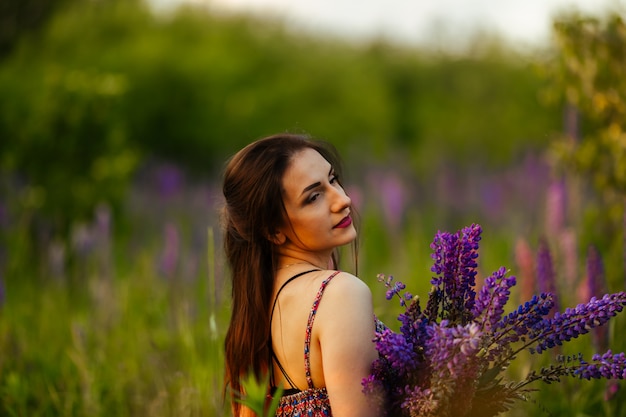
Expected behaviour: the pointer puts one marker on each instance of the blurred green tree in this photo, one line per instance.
(588, 77)
(106, 85)
(21, 17)
(587, 80)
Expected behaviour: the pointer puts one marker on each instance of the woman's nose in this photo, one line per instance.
(341, 200)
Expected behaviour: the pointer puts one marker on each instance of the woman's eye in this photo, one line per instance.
(313, 197)
(334, 179)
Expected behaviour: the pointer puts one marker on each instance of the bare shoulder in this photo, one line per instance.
(346, 290)
(346, 282)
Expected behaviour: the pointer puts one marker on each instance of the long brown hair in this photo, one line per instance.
(253, 211)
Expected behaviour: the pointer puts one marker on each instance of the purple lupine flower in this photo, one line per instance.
(394, 289)
(413, 323)
(555, 208)
(524, 258)
(454, 365)
(169, 180)
(455, 265)
(519, 322)
(576, 321)
(611, 390)
(546, 277)
(394, 197)
(419, 401)
(374, 389)
(492, 298)
(468, 265)
(448, 359)
(394, 200)
(452, 348)
(596, 286)
(397, 350)
(516, 326)
(608, 365)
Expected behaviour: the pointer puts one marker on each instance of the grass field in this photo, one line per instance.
(133, 324)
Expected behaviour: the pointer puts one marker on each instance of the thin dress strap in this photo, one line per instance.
(271, 347)
(309, 327)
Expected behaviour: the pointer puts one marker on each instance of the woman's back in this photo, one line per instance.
(340, 326)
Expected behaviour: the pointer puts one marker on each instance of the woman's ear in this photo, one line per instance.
(277, 238)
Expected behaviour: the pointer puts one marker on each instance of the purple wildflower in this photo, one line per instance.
(455, 265)
(393, 199)
(169, 180)
(452, 348)
(525, 260)
(555, 208)
(612, 388)
(454, 365)
(596, 286)
(414, 323)
(448, 359)
(546, 277)
(397, 350)
(518, 323)
(420, 402)
(492, 298)
(394, 289)
(515, 327)
(608, 365)
(576, 321)
(375, 389)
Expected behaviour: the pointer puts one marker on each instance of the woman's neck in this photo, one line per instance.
(285, 262)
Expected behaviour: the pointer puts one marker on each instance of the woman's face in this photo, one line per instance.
(318, 209)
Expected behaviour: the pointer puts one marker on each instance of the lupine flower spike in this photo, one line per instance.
(449, 359)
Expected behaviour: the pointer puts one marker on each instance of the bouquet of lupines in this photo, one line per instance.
(450, 356)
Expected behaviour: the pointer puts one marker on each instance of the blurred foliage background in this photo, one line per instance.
(115, 122)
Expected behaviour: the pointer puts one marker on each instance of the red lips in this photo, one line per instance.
(345, 222)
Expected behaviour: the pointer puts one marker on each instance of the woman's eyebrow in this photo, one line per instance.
(316, 184)
(310, 187)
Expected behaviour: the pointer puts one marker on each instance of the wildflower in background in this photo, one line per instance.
(546, 277)
(569, 257)
(169, 180)
(449, 359)
(525, 262)
(594, 285)
(102, 228)
(555, 208)
(393, 198)
(356, 196)
(83, 240)
(169, 256)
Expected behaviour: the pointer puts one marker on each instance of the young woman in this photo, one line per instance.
(294, 316)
